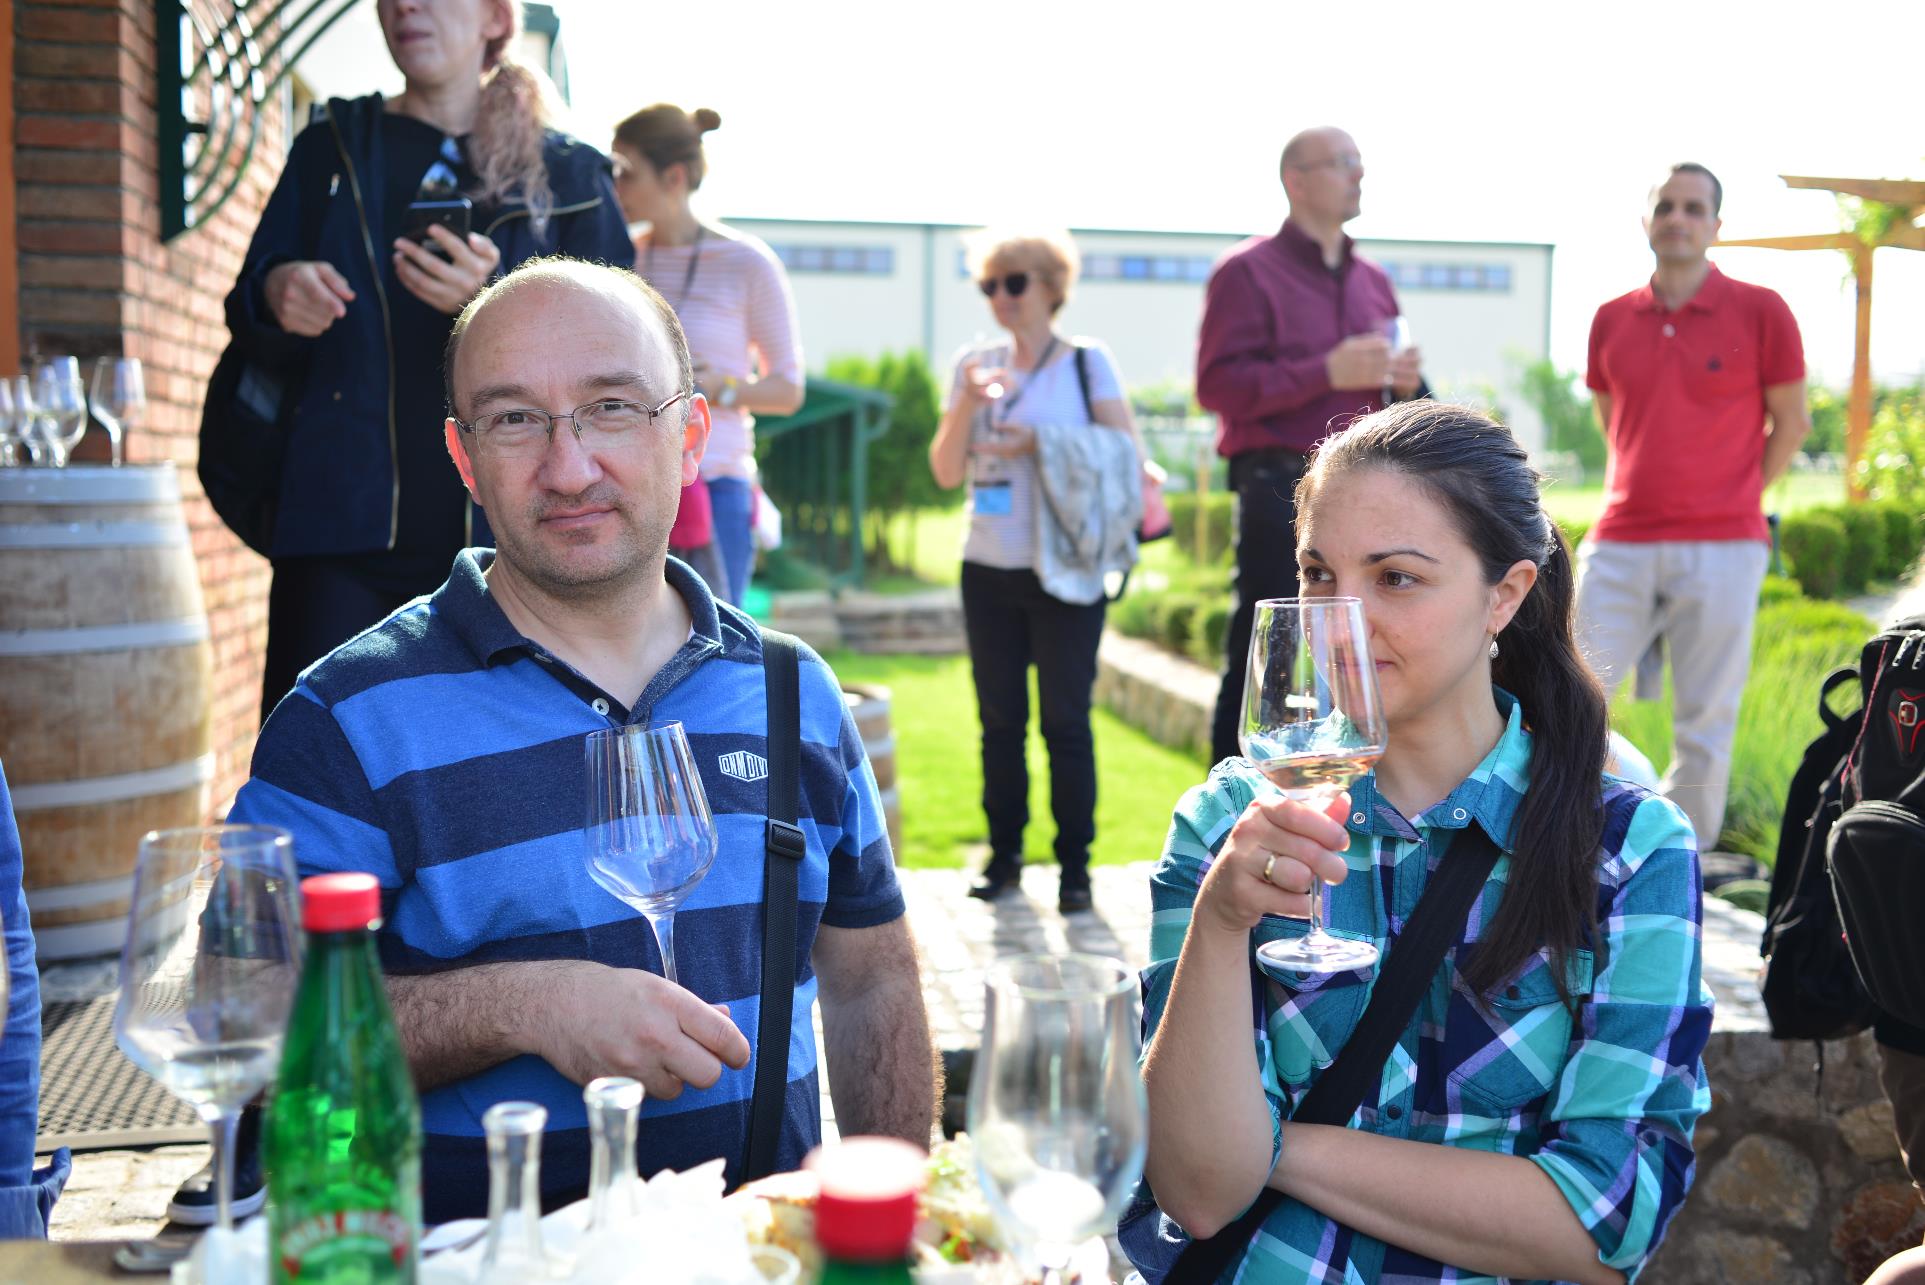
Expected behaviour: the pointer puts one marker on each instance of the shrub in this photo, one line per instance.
(1904, 537)
(1134, 614)
(1574, 532)
(1893, 467)
(1219, 510)
(1207, 631)
(1174, 615)
(1814, 541)
(1779, 589)
(1864, 545)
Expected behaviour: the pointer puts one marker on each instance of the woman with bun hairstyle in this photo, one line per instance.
(1534, 1119)
(734, 302)
(340, 316)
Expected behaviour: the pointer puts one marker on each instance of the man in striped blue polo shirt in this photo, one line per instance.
(442, 751)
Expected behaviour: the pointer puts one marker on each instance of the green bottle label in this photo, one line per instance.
(379, 1240)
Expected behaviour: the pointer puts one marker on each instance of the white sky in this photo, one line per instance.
(1477, 121)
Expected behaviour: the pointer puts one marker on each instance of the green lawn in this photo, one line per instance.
(939, 775)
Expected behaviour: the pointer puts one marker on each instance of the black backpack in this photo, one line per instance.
(1814, 981)
(1877, 845)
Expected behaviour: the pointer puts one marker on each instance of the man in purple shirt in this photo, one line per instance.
(1295, 343)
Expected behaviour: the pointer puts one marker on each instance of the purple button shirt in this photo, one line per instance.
(1271, 313)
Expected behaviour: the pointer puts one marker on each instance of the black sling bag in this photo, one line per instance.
(1337, 1094)
(785, 850)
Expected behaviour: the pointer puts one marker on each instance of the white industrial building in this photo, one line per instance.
(1477, 309)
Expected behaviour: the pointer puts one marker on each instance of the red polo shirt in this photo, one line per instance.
(1687, 393)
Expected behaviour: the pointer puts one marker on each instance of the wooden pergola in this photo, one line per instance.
(1905, 233)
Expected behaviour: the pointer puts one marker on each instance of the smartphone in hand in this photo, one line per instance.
(455, 214)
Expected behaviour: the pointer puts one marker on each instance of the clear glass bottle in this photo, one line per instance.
(614, 1185)
(514, 1252)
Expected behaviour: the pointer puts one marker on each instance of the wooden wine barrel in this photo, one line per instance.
(105, 686)
(869, 706)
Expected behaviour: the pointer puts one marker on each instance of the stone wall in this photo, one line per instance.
(1794, 1186)
(96, 280)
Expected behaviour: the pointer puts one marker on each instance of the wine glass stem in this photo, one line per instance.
(664, 926)
(223, 1138)
(1316, 907)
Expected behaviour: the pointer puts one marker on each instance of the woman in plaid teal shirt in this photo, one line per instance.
(1535, 1120)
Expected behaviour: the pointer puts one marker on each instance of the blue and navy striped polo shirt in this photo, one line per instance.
(442, 751)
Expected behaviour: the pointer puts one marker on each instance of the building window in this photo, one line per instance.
(1490, 278)
(844, 260)
(1181, 268)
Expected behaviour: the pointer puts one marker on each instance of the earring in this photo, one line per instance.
(1493, 649)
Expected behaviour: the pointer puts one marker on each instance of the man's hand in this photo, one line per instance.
(447, 284)
(1407, 373)
(623, 1021)
(306, 297)
(1361, 361)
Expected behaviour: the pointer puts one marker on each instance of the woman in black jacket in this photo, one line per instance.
(341, 320)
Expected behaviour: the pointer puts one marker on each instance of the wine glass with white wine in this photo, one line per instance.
(1312, 723)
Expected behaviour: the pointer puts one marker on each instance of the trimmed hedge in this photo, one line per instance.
(1208, 629)
(1843, 548)
(1218, 514)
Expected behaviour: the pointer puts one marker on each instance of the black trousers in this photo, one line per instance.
(1265, 483)
(318, 603)
(1012, 623)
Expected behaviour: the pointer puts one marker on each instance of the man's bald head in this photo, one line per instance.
(557, 271)
(1312, 146)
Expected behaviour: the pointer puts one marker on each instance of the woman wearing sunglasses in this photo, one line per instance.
(732, 297)
(1000, 394)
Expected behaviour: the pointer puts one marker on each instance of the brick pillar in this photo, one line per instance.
(95, 280)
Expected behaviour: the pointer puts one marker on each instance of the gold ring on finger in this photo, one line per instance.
(1269, 865)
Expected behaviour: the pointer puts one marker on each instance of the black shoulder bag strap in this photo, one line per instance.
(1341, 1089)
(1082, 382)
(785, 850)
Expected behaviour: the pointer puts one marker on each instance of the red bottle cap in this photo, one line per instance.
(868, 1207)
(339, 903)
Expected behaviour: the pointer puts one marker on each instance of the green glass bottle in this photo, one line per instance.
(865, 1216)
(342, 1142)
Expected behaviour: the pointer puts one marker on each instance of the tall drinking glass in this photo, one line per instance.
(1397, 331)
(11, 431)
(649, 834)
(208, 972)
(62, 403)
(118, 399)
(1056, 1106)
(1312, 723)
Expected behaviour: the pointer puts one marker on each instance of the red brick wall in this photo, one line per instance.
(96, 280)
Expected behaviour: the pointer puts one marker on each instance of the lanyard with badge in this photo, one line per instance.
(991, 493)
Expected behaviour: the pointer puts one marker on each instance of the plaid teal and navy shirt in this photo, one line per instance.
(1604, 1102)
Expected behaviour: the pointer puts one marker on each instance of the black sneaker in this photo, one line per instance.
(1074, 896)
(998, 877)
(193, 1202)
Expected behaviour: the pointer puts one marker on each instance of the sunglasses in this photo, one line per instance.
(1014, 282)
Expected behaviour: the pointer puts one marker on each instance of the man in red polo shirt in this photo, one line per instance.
(1699, 382)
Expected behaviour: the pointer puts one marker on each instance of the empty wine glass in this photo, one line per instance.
(208, 971)
(1056, 1112)
(118, 398)
(1397, 331)
(62, 402)
(988, 371)
(649, 834)
(1312, 723)
(25, 422)
(10, 436)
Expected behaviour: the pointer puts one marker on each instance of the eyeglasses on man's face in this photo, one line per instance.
(1014, 282)
(604, 422)
(1349, 163)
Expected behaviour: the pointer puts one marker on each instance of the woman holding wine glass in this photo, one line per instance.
(1002, 392)
(1533, 1118)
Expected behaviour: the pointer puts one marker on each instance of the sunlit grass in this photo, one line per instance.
(939, 775)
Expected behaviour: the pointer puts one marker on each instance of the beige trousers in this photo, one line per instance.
(1701, 597)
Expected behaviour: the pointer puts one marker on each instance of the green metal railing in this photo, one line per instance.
(815, 468)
